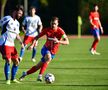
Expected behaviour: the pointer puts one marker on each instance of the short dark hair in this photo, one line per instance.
(20, 7)
(17, 8)
(55, 18)
(95, 4)
(32, 7)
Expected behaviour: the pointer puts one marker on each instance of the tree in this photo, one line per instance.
(3, 3)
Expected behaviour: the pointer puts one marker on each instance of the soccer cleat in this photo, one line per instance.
(15, 81)
(92, 51)
(23, 75)
(33, 60)
(8, 82)
(97, 53)
(40, 78)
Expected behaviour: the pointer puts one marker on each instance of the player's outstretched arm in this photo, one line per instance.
(63, 41)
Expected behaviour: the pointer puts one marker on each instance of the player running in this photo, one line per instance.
(96, 27)
(55, 37)
(33, 26)
(7, 47)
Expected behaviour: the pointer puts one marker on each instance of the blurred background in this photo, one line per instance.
(73, 14)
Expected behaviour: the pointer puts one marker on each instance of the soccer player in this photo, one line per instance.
(7, 47)
(33, 26)
(96, 27)
(55, 36)
(6, 19)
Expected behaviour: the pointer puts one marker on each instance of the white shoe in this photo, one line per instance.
(40, 78)
(8, 82)
(33, 60)
(97, 53)
(92, 51)
(20, 59)
(15, 81)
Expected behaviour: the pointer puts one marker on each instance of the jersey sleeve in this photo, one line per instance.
(39, 21)
(62, 33)
(4, 20)
(44, 31)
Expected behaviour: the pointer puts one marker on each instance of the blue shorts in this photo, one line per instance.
(45, 51)
(95, 32)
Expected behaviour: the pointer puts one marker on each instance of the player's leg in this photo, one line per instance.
(14, 58)
(46, 60)
(7, 57)
(13, 73)
(22, 52)
(34, 52)
(96, 40)
(15, 65)
(7, 71)
(31, 70)
(47, 57)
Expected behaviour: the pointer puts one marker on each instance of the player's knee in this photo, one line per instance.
(48, 57)
(16, 62)
(8, 61)
(98, 39)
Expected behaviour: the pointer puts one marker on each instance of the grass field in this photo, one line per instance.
(74, 68)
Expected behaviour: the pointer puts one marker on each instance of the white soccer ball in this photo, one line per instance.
(49, 78)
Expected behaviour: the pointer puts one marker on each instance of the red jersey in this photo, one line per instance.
(50, 33)
(94, 16)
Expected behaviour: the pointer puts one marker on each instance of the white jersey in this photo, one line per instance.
(12, 30)
(4, 20)
(31, 24)
(3, 23)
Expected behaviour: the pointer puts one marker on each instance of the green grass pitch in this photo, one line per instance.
(74, 68)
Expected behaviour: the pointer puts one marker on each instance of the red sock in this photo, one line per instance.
(43, 68)
(32, 70)
(94, 45)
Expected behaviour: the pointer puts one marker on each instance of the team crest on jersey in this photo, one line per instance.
(14, 29)
(11, 23)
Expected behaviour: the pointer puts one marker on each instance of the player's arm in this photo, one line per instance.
(36, 38)
(24, 24)
(91, 20)
(23, 29)
(63, 41)
(40, 28)
(20, 40)
(101, 27)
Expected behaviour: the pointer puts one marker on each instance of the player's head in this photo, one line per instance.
(54, 22)
(96, 7)
(32, 10)
(20, 11)
(17, 12)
